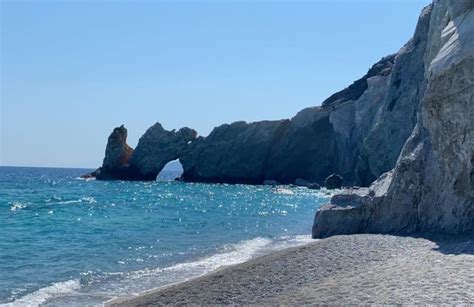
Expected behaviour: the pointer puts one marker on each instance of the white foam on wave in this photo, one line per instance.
(85, 179)
(89, 200)
(135, 282)
(283, 191)
(44, 294)
(321, 193)
(17, 206)
(231, 254)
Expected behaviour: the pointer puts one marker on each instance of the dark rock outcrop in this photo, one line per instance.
(157, 147)
(235, 153)
(301, 182)
(305, 183)
(117, 157)
(315, 143)
(354, 91)
(117, 152)
(333, 181)
(314, 186)
(271, 182)
(305, 149)
(431, 188)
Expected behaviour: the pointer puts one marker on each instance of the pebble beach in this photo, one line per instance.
(356, 269)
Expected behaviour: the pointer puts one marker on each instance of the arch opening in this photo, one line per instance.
(171, 171)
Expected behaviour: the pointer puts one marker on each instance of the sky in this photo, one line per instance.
(71, 71)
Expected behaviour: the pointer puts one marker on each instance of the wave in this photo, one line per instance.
(44, 294)
(89, 200)
(230, 254)
(84, 179)
(120, 284)
(17, 206)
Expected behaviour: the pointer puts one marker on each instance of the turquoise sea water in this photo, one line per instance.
(69, 241)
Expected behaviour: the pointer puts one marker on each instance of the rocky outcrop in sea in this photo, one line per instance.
(155, 149)
(404, 129)
(314, 144)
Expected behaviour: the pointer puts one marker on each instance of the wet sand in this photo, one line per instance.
(356, 269)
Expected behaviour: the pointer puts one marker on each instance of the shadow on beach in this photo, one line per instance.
(452, 245)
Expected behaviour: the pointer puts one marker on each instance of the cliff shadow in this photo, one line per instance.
(451, 244)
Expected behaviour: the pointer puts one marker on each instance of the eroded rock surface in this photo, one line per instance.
(431, 188)
(315, 143)
(333, 181)
(117, 156)
(408, 122)
(157, 147)
(235, 153)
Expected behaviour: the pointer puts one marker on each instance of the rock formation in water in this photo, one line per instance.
(334, 181)
(117, 156)
(315, 143)
(407, 122)
(235, 153)
(157, 147)
(117, 152)
(431, 188)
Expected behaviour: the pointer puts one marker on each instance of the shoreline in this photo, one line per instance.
(355, 269)
(307, 240)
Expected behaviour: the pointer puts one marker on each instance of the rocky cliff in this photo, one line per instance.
(235, 153)
(117, 156)
(313, 144)
(155, 149)
(407, 122)
(431, 188)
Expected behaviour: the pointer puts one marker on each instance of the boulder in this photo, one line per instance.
(270, 182)
(314, 186)
(301, 182)
(333, 181)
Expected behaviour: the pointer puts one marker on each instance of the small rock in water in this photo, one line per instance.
(314, 186)
(302, 182)
(333, 181)
(270, 182)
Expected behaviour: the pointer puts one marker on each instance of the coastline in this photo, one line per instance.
(354, 269)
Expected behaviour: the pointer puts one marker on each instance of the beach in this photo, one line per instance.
(355, 269)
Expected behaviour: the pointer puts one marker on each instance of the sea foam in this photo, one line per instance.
(44, 294)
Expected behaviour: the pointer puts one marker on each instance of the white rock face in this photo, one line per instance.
(431, 188)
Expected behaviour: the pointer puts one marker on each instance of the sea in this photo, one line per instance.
(69, 241)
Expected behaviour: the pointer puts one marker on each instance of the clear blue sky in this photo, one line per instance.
(71, 71)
